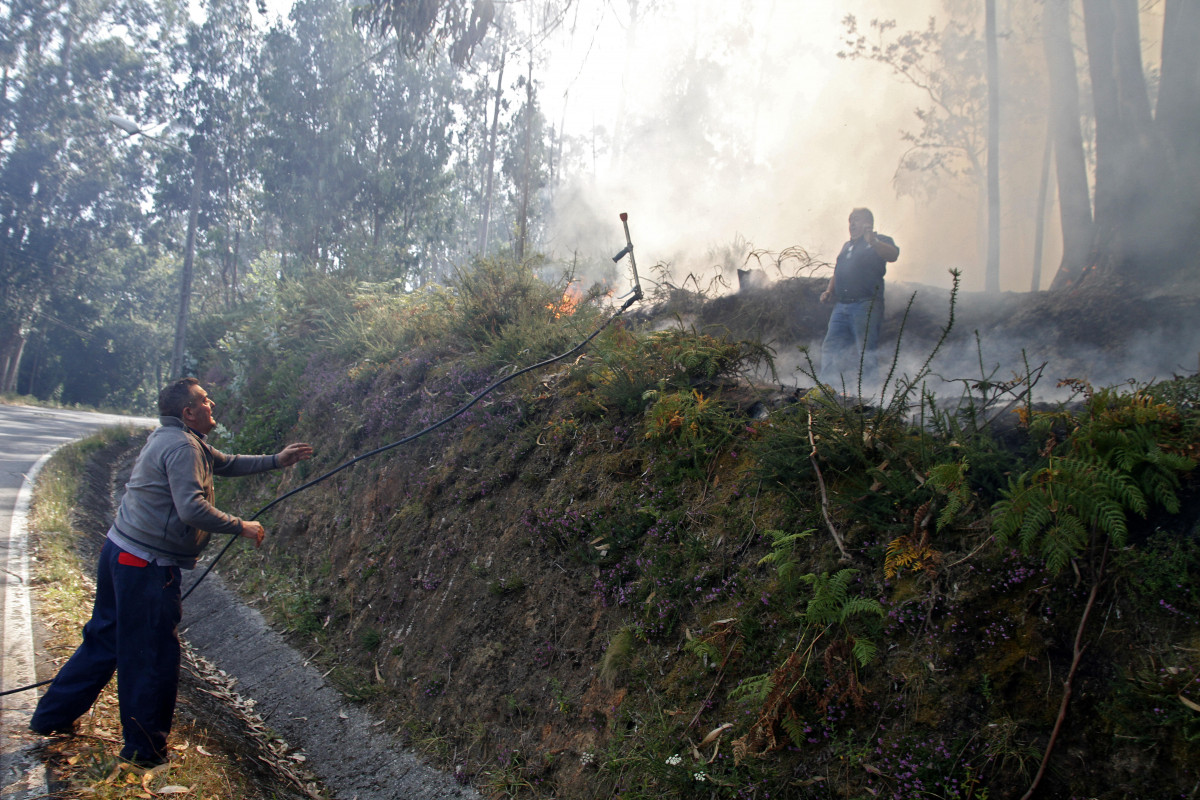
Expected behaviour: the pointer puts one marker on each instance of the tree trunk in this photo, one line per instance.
(1074, 199)
(1177, 112)
(13, 349)
(185, 279)
(491, 158)
(523, 222)
(1130, 235)
(992, 271)
(1179, 88)
(1039, 237)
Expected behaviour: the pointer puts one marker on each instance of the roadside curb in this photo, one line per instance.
(24, 772)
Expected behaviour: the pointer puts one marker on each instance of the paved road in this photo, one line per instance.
(27, 437)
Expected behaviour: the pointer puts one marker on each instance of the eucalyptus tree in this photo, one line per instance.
(354, 147)
(218, 107)
(66, 195)
(312, 101)
(458, 25)
(103, 345)
(1147, 162)
(1066, 133)
(405, 208)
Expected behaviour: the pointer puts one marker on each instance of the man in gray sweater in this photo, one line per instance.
(163, 524)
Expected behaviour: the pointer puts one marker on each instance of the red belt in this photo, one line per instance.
(130, 560)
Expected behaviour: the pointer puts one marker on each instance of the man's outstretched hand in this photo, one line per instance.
(254, 531)
(294, 453)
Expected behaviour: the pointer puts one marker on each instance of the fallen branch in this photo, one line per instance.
(1076, 657)
(812, 456)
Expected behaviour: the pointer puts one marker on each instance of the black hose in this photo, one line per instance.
(637, 295)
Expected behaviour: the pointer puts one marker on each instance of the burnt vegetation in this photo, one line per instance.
(645, 573)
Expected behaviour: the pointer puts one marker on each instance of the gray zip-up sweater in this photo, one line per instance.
(168, 506)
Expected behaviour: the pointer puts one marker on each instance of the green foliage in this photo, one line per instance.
(384, 321)
(832, 604)
(1122, 456)
(506, 586)
(1181, 392)
(784, 556)
(754, 690)
(950, 481)
(301, 610)
(1160, 573)
(694, 426)
(625, 366)
(617, 657)
(369, 639)
(1157, 703)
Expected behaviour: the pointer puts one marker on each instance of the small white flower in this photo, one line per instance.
(587, 758)
(674, 761)
(700, 777)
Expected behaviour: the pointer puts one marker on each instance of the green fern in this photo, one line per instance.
(796, 729)
(864, 650)
(832, 604)
(754, 690)
(706, 650)
(1123, 458)
(783, 555)
(950, 480)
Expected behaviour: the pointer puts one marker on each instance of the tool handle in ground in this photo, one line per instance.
(628, 250)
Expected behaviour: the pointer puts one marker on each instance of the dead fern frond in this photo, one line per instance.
(913, 553)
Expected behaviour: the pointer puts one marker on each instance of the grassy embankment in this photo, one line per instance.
(608, 580)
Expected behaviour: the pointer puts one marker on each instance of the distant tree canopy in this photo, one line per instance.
(459, 25)
(1138, 224)
(325, 150)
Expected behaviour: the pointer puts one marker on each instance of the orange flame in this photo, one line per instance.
(566, 307)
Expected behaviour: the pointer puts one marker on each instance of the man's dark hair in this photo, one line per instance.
(863, 212)
(176, 397)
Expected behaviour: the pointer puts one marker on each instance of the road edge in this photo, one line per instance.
(27, 771)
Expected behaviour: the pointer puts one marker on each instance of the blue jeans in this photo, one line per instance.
(134, 631)
(853, 333)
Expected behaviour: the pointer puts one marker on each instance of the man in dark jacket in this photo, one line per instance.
(857, 289)
(164, 522)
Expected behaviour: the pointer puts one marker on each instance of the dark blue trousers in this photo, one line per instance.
(134, 631)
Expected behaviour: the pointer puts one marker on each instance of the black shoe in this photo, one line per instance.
(144, 762)
(60, 730)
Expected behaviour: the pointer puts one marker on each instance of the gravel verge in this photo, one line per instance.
(340, 743)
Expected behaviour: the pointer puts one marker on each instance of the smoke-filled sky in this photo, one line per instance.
(743, 123)
(743, 128)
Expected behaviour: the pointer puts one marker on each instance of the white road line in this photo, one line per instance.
(19, 666)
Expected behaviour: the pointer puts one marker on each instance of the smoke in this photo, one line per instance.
(727, 127)
(738, 122)
(715, 122)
